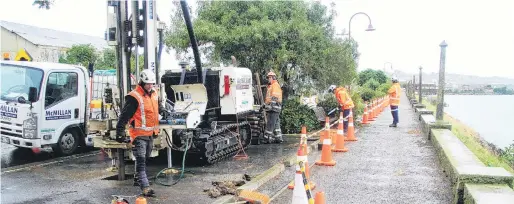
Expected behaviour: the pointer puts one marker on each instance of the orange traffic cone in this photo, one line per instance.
(320, 198)
(301, 190)
(370, 111)
(141, 200)
(351, 129)
(365, 115)
(302, 157)
(326, 154)
(375, 111)
(303, 141)
(325, 133)
(340, 141)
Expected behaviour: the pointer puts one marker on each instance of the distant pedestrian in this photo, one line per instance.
(394, 101)
(345, 102)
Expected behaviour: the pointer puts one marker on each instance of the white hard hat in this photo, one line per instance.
(394, 78)
(331, 88)
(147, 76)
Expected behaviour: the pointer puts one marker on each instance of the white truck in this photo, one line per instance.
(44, 105)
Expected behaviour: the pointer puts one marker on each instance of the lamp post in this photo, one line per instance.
(370, 26)
(390, 67)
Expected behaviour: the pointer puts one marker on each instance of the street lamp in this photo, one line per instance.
(370, 26)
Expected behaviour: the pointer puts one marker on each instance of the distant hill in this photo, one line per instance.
(457, 79)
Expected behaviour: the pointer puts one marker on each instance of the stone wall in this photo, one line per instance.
(472, 180)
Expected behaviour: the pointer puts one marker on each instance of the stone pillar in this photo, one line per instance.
(420, 85)
(441, 84)
(413, 86)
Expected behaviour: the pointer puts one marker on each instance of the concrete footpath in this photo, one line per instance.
(85, 180)
(385, 165)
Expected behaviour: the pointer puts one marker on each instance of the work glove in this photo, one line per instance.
(121, 137)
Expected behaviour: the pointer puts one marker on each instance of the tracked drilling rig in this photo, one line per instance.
(210, 112)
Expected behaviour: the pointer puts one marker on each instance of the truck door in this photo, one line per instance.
(62, 109)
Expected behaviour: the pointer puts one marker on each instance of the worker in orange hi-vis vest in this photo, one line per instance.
(345, 102)
(273, 107)
(141, 112)
(394, 101)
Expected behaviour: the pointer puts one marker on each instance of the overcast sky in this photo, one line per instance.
(479, 33)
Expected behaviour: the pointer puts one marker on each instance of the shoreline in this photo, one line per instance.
(487, 152)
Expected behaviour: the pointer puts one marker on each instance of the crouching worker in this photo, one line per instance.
(345, 102)
(273, 107)
(141, 112)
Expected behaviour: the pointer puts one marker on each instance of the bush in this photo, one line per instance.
(328, 103)
(358, 103)
(372, 84)
(294, 115)
(508, 155)
(367, 93)
(384, 88)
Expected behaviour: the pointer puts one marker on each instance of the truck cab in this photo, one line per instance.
(43, 105)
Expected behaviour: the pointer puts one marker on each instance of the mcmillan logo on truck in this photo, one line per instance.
(8, 111)
(58, 114)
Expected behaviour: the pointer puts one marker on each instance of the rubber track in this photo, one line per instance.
(222, 132)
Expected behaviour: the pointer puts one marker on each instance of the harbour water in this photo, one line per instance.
(492, 116)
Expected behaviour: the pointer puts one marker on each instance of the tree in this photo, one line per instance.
(43, 3)
(108, 59)
(293, 38)
(80, 55)
(368, 74)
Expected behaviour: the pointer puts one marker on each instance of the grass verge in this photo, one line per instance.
(472, 140)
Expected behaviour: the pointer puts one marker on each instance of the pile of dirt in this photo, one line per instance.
(226, 187)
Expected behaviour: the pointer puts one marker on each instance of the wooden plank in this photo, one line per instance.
(261, 97)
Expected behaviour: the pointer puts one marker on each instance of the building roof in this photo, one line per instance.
(45, 66)
(50, 37)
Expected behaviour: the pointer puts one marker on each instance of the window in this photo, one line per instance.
(60, 86)
(16, 81)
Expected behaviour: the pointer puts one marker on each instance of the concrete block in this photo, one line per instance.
(462, 166)
(484, 175)
(418, 105)
(429, 122)
(423, 111)
(487, 193)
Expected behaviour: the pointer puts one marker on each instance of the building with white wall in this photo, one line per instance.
(42, 44)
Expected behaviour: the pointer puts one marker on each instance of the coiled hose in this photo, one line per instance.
(182, 170)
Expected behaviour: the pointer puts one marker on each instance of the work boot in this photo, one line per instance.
(148, 192)
(278, 140)
(393, 125)
(136, 182)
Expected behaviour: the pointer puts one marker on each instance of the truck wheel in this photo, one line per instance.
(68, 143)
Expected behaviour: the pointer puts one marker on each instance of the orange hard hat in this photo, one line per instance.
(271, 73)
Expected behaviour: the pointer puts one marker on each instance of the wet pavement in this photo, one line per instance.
(386, 165)
(12, 156)
(86, 180)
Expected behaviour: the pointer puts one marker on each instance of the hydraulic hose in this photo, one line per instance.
(182, 168)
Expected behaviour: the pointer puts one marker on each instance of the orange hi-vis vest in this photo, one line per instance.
(146, 118)
(394, 94)
(273, 90)
(344, 98)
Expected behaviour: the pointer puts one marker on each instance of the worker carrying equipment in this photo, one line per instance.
(394, 100)
(141, 112)
(345, 102)
(273, 107)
